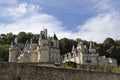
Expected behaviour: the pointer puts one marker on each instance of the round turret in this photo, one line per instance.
(13, 51)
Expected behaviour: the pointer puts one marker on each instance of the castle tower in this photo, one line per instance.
(45, 33)
(92, 48)
(73, 49)
(80, 51)
(43, 47)
(54, 50)
(32, 50)
(43, 38)
(55, 41)
(86, 49)
(13, 51)
(80, 47)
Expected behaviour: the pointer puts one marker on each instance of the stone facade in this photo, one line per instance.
(88, 56)
(46, 50)
(23, 71)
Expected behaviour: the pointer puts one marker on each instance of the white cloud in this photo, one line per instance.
(19, 11)
(101, 27)
(104, 24)
(30, 19)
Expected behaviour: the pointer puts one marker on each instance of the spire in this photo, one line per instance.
(55, 37)
(73, 49)
(12, 44)
(85, 48)
(91, 48)
(80, 43)
(32, 40)
(80, 46)
(26, 43)
(27, 46)
(16, 41)
(45, 33)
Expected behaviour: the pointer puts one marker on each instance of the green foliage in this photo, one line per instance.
(4, 52)
(108, 43)
(97, 68)
(117, 70)
(100, 49)
(110, 48)
(69, 65)
(66, 45)
(6, 38)
(22, 37)
(9, 37)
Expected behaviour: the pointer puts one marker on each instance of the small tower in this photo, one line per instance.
(73, 49)
(86, 49)
(55, 41)
(80, 47)
(13, 51)
(43, 47)
(32, 50)
(54, 49)
(45, 33)
(43, 38)
(92, 48)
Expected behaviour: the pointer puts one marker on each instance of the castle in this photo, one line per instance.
(46, 50)
(88, 56)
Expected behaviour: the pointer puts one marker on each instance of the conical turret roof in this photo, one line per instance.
(55, 37)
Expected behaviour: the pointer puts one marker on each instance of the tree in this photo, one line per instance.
(9, 38)
(29, 36)
(22, 37)
(4, 50)
(66, 45)
(117, 54)
(3, 38)
(100, 49)
(108, 43)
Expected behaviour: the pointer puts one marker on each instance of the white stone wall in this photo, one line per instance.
(90, 59)
(13, 52)
(44, 56)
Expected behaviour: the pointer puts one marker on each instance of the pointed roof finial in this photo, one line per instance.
(16, 41)
(90, 47)
(55, 37)
(73, 47)
(12, 44)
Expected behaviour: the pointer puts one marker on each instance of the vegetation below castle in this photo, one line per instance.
(109, 48)
(91, 67)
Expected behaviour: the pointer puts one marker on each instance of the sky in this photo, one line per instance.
(91, 20)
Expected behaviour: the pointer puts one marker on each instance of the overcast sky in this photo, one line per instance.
(86, 19)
